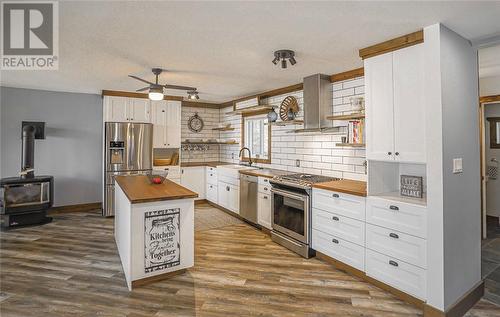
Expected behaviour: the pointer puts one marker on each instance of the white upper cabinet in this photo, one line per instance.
(115, 109)
(167, 124)
(173, 122)
(379, 108)
(123, 109)
(395, 125)
(409, 115)
(139, 110)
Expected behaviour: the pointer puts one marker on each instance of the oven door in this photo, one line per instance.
(290, 214)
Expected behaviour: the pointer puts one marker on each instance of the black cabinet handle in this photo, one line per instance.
(389, 153)
(335, 195)
(265, 197)
(211, 174)
(393, 263)
(392, 207)
(227, 188)
(335, 241)
(265, 188)
(397, 153)
(393, 235)
(335, 218)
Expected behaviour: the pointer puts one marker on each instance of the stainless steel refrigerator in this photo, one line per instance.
(128, 150)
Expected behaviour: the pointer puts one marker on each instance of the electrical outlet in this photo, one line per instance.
(297, 163)
(457, 166)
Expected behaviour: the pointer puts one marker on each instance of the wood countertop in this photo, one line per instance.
(265, 172)
(211, 164)
(138, 190)
(347, 186)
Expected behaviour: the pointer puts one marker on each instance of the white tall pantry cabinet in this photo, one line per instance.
(394, 85)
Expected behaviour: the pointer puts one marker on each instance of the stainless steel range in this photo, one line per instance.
(291, 210)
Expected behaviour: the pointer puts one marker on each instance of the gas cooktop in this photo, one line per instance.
(302, 180)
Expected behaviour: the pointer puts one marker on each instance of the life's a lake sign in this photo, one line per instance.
(411, 186)
(161, 239)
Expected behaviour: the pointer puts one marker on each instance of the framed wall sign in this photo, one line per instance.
(411, 186)
(161, 239)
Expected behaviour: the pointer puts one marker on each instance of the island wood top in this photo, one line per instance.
(265, 172)
(138, 190)
(346, 186)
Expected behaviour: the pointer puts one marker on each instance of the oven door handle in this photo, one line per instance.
(288, 194)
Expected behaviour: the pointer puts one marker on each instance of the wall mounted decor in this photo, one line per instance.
(289, 108)
(411, 186)
(196, 123)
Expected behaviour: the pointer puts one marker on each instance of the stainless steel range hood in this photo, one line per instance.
(317, 104)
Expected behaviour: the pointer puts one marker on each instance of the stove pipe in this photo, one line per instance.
(28, 152)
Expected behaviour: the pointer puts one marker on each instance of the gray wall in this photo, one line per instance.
(461, 192)
(71, 151)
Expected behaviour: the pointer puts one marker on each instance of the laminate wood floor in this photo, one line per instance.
(71, 268)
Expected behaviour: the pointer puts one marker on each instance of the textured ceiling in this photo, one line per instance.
(225, 48)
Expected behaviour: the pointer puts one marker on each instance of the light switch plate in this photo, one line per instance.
(457, 165)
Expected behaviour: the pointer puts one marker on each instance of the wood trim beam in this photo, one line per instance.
(118, 93)
(350, 74)
(201, 104)
(392, 45)
(487, 99)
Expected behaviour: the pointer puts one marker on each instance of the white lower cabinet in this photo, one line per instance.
(339, 249)
(396, 244)
(228, 196)
(212, 193)
(404, 217)
(264, 210)
(398, 274)
(348, 229)
(193, 178)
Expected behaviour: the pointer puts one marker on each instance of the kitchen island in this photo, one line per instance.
(154, 229)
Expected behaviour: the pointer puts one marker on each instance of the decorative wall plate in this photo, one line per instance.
(289, 108)
(195, 123)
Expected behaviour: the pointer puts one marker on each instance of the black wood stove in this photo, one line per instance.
(24, 200)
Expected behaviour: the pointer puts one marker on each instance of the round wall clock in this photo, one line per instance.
(195, 123)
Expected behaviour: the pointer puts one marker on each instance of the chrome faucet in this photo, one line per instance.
(250, 162)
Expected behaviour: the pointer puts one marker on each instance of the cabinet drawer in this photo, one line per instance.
(264, 181)
(339, 203)
(396, 244)
(265, 189)
(228, 180)
(403, 217)
(403, 276)
(212, 177)
(264, 210)
(212, 193)
(342, 250)
(343, 227)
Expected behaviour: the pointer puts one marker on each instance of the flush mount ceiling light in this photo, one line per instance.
(193, 95)
(283, 55)
(156, 90)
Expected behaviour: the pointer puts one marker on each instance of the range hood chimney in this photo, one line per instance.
(317, 103)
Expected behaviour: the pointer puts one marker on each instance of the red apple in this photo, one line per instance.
(157, 180)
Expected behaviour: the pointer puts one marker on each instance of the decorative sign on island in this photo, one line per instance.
(161, 239)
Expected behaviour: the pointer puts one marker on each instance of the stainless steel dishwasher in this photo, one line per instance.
(248, 197)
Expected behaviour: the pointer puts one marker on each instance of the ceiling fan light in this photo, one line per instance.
(155, 93)
(292, 61)
(276, 60)
(193, 95)
(283, 63)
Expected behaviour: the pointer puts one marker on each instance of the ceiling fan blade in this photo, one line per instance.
(143, 80)
(142, 89)
(179, 87)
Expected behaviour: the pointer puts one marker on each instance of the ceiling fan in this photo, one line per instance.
(156, 90)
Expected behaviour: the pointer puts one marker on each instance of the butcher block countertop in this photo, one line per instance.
(265, 172)
(138, 190)
(346, 186)
(211, 164)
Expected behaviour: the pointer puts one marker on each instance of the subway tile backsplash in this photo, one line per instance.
(317, 153)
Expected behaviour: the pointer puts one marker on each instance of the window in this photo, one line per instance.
(257, 137)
